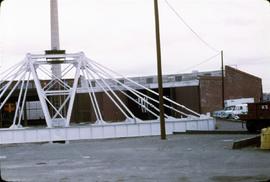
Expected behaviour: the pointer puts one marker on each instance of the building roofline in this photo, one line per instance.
(241, 72)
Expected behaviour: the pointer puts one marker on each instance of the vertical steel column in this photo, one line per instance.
(160, 87)
(73, 90)
(41, 94)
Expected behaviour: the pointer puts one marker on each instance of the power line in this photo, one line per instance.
(205, 61)
(0, 39)
(189, 27)
(243, 61)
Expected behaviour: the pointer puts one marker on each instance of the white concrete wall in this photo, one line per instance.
(102, 131)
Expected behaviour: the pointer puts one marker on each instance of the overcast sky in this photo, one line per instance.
(120, 33)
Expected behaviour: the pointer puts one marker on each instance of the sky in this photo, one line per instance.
(120, 34)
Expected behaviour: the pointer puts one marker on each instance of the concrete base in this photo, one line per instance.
(102, 131)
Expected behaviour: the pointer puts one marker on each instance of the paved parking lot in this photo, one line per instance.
(230, 125)
(179, 158)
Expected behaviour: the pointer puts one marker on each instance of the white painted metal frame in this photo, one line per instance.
(83, 72)
(57, 98)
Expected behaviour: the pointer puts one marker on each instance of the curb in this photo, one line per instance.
(253, 141)
(217, 132)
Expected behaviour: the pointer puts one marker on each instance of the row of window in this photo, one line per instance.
(148, 80)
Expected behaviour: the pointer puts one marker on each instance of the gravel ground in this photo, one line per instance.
(179, 158)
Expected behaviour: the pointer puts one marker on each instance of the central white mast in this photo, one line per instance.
(55, 43)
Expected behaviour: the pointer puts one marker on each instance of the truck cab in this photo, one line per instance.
(257, 117)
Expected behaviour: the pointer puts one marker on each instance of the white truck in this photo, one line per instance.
(233, 112)
(233, 108)
(234, 102)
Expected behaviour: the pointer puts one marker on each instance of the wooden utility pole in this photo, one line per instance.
(222, 80)
(1, 179)
(160, 87)
(1, 119)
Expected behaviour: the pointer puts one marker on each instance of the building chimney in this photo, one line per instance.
(55, 43)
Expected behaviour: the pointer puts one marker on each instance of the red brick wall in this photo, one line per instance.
(205, 98)
(210, 94)
(237, 84)
(109, 110)
(83, 110)
(188, 96)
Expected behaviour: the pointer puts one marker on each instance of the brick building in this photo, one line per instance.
(199, 91)
(237, 84)
(266, 97)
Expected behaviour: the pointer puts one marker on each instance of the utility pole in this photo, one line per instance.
(0, 98)
(0, 13)
(222, 80)
(160, 87)
(1, 179)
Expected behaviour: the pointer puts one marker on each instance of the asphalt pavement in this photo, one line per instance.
(230, 125)
(145, 159)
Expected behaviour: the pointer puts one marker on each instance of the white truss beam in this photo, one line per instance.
(73, 90)
(77, 66)
(41, 94)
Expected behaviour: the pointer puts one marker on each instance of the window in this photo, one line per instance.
(149, 80)
(30, 85)
(264, 107)
(178, 78)
(121, 80)
(93, 83)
